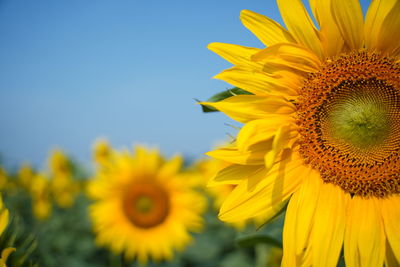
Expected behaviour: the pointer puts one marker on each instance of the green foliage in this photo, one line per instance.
(19, 237)
(252, 240)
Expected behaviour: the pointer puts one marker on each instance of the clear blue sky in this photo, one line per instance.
(72, 71)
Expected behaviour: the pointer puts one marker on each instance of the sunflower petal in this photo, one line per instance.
(267, 30)
(233, 155)
(350, 21)
(391, 217)
(300, 25)
(377, 12)
(289, 55)
(331, 39)
(233, 174)
(236, 54)
(3, 220)
(282, 83)
(329, 225)
(4, 256)
(268, 196)
(390, 27)
(364, 240)
(299, 214)
(171, 166)
(279, 142)
(244, 108)
(257, 131)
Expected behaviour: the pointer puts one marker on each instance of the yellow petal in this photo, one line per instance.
(299, 215)
(280, 141)
(146, 159)
(261, 130)
(282, 83)
(329, 225)
(244, 108)
(390, 27)
(349, 19)
(300, 25)
(236, 54)
(268, 196)
(377, 12)
(3, 220)
(171, 167)
(364, 240)
(390, 209)
(233, 155)
(289, 55)
(267, 30)
(6, 253)
(331, 39)
(233, 174)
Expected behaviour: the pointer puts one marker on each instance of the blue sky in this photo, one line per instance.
(72, 71)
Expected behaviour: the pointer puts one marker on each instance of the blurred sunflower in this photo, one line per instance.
(63, 187)
(25, 176)
(322, 129)
(41, 198)
(101, 151)
(143, 206)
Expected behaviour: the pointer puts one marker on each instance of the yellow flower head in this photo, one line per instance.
(59, 162)
(63, 187)
(321, 130)
(40, 192)
(101, 151)
(25, 176)
(143, 206)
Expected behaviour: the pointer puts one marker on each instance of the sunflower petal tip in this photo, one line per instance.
(244, 12)
(213, 46)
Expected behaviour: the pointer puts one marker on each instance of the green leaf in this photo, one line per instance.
(221, 96)
(251, 240)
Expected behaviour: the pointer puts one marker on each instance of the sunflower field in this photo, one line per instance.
(135, 209)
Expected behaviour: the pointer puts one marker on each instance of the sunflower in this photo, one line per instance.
(101, 151)
(25, 176)
(321, 130)
(41, 198)
(143, 205)
(63, 187)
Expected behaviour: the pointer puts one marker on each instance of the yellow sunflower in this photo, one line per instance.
(321, 131)
(143, 205)
(63, 187)
(25, 176)
(41, 198)
(101, 151)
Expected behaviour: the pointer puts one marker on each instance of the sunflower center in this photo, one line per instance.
(358, 115)
(361, 123)
(146, 205)
(349, 118)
